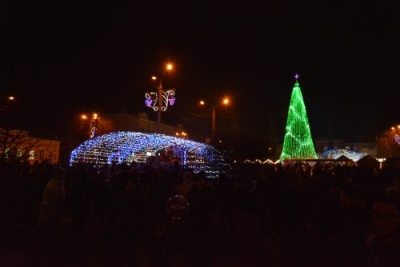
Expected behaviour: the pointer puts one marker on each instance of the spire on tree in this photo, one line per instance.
(298, 143)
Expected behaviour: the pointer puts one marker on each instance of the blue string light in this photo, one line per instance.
(127, 147)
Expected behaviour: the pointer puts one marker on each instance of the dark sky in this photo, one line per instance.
(62, 58)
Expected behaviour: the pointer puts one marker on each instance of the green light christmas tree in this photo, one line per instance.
(298, 143)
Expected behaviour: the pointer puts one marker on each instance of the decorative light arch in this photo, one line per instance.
(338, 152)
(126, 147)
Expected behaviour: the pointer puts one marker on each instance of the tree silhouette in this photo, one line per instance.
(15, 144)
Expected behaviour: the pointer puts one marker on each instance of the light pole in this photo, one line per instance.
(213, 123)
(225, 101)
(160, 99)
(6, 111)
(6, 102)
(93, 124)
(396, 133)
(94, 127)
(182, 135)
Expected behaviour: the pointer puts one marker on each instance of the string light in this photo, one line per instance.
(298, 143)
(337, 153)
(128, 147)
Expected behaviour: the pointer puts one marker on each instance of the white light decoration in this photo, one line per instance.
(337, 153)
(397, 139)
(153, 102)
(126, 147)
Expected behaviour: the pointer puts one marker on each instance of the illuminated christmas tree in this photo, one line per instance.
(298, 143)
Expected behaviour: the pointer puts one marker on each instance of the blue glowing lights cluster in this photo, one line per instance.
(126, 147)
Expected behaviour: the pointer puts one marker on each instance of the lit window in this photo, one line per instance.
(32, 155)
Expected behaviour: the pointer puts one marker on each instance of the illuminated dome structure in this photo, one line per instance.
(337, 153)
(128, 147)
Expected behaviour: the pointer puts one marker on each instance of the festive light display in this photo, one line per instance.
(128, 147)
(337, 153)
(153, 102)
(297, 143)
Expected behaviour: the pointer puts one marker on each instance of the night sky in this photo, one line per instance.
(64, 58)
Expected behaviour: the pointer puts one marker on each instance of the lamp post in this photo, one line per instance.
(182, 135)
(160, 100)
(93, 127)
(396, 133)
(7, 106)
(225, 101)
(6, 103)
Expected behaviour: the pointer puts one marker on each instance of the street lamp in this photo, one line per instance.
(396, 132)
(7, 111)
(6, 102)
(182, 135)
(93, 124)
(225, 102)
(160, 99)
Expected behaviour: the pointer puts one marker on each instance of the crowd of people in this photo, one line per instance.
(328, 214)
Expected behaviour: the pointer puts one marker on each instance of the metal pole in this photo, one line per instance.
(160, 103)
(213, 124)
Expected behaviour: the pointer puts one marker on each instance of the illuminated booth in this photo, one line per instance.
(128, 147)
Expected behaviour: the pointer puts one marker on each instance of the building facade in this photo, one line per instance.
(124, 121)
(18, 145)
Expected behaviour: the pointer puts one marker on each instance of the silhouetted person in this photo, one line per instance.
(202, 203)
(384, 242)
(52, 206)
(80, 206)
(130, 207)
(184, 187)
(225, 193)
